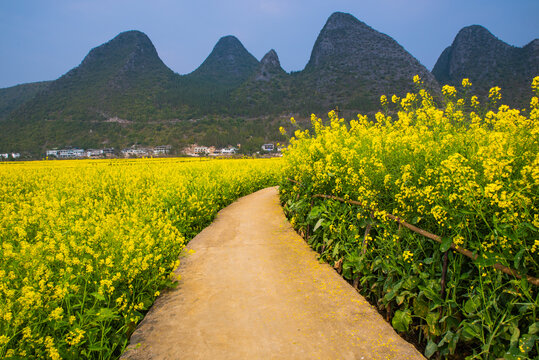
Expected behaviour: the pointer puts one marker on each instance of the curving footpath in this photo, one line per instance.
(253, 289)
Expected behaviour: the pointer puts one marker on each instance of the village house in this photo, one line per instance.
(228, 151)
(135, 151)
(66, 153)
(70, 153)
(201, 150)
(198, 150)
(161, 149)
(94, 153)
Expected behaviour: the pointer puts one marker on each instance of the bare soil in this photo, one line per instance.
(253, 289)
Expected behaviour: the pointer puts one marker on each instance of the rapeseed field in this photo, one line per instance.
(467, 171)
(86, 246)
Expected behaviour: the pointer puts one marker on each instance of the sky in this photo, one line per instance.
(43, 39)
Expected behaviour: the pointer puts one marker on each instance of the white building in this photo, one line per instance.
(133, 151)
(268, 147)
(200, 150)
(161, 149)
(15, 155)
(94, 152)
(70, 153)
(53, 152)
(229, 151)
(5, 155)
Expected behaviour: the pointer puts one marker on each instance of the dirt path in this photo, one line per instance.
(253, 289)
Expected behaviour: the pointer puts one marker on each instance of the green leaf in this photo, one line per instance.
(534, 328)
(524, 283)
(421, 308)
(452, 341)
(393, 292)
(472, 304)
(446, 244)
(98, 296)
(450, 322)
(96, 348)
(430, 349)
(402, 319)
(106, 313)
(336, 250)
(429, 293)
(515, 335)
(470, 330)
(315, 212)
(432, 322)
(527, 342)
(411, 282)
(518, 257)
(319, 223)
(448, 337)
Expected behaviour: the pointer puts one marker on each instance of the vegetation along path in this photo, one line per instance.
(253, 289)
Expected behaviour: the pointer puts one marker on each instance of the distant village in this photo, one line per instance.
(9, 156)
(134, 151)
(139, 151)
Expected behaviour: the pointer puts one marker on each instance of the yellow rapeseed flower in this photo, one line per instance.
(466, 83)
(494, 94)
(383, 100)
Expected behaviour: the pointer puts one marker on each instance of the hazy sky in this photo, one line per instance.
(43, 39)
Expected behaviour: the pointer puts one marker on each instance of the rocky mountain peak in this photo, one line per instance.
(269, 67)
(534, 43)
(476, 38)
(488, 61)
(229, 61)
(132, 50)
(533, 48)
(474, 33)
(339, 20)
(349, 54)
(271, 58)
(228, 44)
(338, 38)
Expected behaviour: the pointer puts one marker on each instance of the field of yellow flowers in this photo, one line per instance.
(86, 246)
(467, 171)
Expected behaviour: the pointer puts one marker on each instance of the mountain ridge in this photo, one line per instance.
(110, 81)
(487, 61)
(229, 62)
(351, 65)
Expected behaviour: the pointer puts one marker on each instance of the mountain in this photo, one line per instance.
(488, 61)
(229, 64)
(122, 93)
(121, 78)
(12, 97)
(269, 68)
(207, 90)
(266, 90)
(352, 65)
(92, 105)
